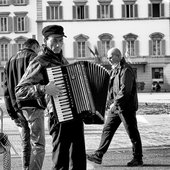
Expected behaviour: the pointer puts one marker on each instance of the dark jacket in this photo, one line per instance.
(30, 90)
(13, 72)
(122, 88)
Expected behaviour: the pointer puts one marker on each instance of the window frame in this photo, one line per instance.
(57, 7)
(104, 44)
(8, 22)
(19, 3)
(4, 4)
(78, 15)
(157, 44)
(131, 45)
(24, 22)
(160, 78)
(77, 52)
(161, 9)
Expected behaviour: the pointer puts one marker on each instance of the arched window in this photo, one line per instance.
(157, 44)
(105, 43)
(19, 44)
(5, 48)
(81, 45)
(130, 45)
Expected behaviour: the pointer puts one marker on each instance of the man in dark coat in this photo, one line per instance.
(67, 138)
(123, 104)
(28, 121)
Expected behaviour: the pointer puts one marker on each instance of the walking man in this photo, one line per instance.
(123, 100)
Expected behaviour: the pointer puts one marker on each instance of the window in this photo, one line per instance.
(19, 44)
(5, 48)
(4, 52)
(130, 45)
(157, 44)
(129, 9)
(5, 22)
(2, 79)
(81, 45)
(81, 49)
(54, 10)
(20, 2)
(3, 2)
(21, 22)
(105, 44)
(156, 9)
(80, 10)
(157, 75)
(104, 10)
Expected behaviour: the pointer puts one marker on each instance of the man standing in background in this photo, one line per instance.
(29, 121)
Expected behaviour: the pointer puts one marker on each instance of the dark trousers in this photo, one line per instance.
(112, 123)
(68, 145)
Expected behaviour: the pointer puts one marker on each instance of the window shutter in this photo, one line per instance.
(137, 48)
(87, 12)
(150, 47)
(87, 51)
(162, 10)
(10, 51)
(9, 2)
(14, 49)
(111, 11)
(26, 24)
(48, 12)
(136, 11)
(61, 12)
(112, 44)
(163, 47)
(15, 24)
(124, 47)
(99, 47)
(13, 2)
(123, 11)
(75, 50)
(149, 10)
(9, 24)
(26, 2)
(74, 12)
(98, 11)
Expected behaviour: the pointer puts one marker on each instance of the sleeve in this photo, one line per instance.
(126, 84)
(9, 107)
(31, 86)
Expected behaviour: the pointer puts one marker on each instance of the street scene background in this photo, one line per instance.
(153, 118)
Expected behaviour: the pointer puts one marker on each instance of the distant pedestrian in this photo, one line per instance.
(158, 87)
(122, 108)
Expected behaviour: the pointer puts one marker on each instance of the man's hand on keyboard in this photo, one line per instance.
(53, 89)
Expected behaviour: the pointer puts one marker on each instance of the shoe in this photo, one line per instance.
(94, 158)
(135, 162)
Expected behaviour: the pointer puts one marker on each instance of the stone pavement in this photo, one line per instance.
(154, 130)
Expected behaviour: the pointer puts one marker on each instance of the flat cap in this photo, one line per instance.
(53, 29)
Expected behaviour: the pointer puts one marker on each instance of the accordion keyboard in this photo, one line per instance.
(62, 102)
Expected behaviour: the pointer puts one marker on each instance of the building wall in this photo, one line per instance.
(142, 26)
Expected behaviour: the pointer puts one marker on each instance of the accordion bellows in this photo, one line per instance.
(85, 86)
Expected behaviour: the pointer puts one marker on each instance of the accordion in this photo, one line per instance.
(85, 86)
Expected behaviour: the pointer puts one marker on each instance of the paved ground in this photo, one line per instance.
(154, 131)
